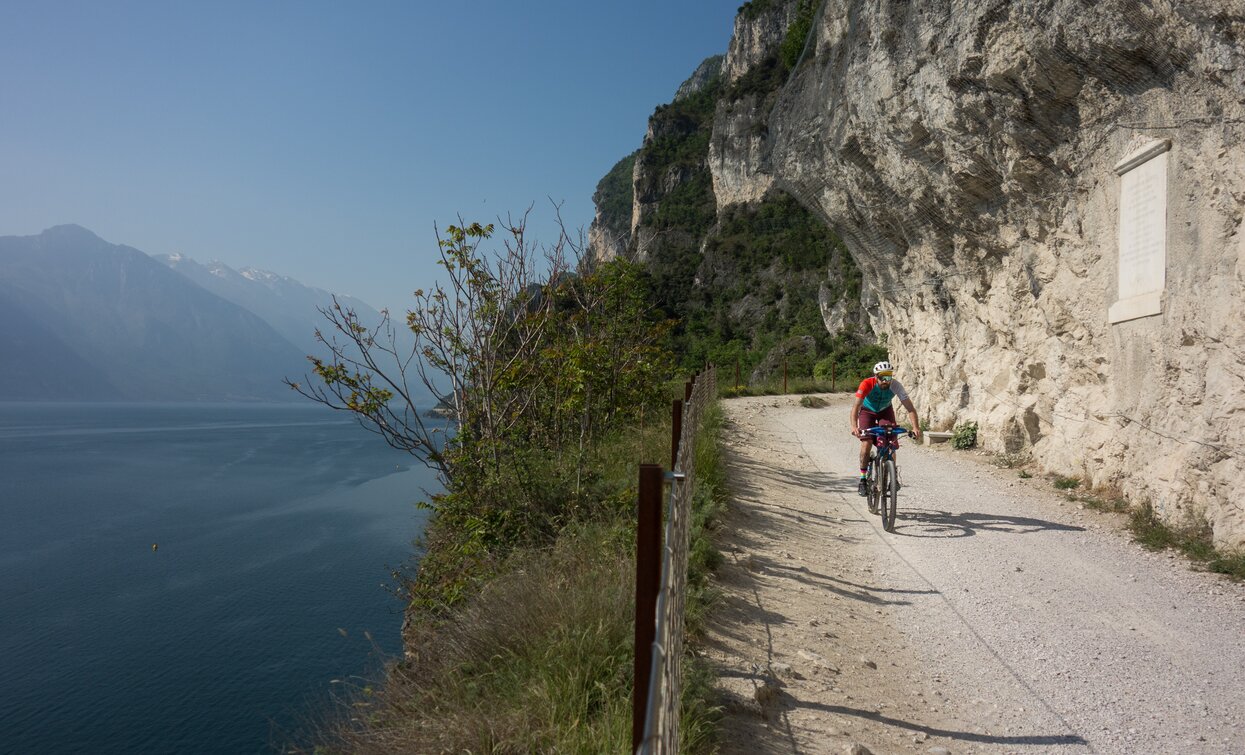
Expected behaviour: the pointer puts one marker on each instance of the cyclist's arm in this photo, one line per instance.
(856, 416)
(916, 423)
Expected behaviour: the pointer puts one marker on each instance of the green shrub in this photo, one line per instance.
(797, 34)
(964, 436)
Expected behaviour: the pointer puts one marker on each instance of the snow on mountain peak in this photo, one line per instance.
(261, 276)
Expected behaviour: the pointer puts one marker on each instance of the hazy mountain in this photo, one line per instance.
(37, 363)
(83, 318)
(290, 307)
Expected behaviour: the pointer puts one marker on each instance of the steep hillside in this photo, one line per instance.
(38, 364)
(747, 270)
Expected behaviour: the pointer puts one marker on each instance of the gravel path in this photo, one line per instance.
(999, 617)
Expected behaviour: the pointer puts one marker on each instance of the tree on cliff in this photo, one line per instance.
(534, 370)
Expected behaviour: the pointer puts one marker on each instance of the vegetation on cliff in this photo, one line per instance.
(613, 197)
(740, 281)
(518, 631)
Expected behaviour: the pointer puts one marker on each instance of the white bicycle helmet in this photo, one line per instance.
(883, 366)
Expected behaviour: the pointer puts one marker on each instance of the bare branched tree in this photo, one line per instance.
(475, 333)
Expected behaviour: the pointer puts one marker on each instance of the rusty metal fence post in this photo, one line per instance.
(647, 584)
(676, 431)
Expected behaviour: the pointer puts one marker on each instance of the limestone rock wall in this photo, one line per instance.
(737, 146)
(965, 151)
(759, 29)
(736, 150)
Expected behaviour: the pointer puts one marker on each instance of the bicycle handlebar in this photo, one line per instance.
(878, 431)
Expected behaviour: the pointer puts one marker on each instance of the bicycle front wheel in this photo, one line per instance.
(889, 502)
(872, 490)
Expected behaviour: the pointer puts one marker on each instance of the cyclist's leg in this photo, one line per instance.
(866, 420)
(888, 415)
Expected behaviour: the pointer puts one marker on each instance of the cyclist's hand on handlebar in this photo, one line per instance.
(856, 431)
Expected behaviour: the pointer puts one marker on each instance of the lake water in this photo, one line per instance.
(276, 526)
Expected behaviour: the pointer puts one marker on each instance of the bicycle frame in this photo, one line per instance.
(882, 486)
(885, 441)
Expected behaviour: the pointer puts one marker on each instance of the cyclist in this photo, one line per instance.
(873, 407)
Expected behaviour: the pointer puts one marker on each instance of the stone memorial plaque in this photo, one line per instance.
(1142, 268)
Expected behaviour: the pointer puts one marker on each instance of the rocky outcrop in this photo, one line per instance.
(742, 266)
(609, 236)
(759, 28)
(705, 74)
(967, 154)
(754, 75)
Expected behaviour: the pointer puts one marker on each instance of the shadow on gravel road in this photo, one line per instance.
(843, 587)
(932, 523)
(963, 736)
(754, 475)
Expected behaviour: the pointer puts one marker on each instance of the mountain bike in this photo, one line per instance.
(882, 478)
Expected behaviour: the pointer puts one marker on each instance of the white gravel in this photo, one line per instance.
(1039, 622)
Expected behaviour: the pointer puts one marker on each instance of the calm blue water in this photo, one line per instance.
(275, 528)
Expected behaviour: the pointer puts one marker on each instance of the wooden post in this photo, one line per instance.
(784, 374)
(737, 376)
(832, 375)
(647, 584)
(687, 391)
(676, 432)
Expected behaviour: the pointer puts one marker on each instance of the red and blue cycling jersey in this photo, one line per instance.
(878, 399)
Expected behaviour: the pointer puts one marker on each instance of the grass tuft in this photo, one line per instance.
(1067, 483)
(1194, 542)
(1011, 459)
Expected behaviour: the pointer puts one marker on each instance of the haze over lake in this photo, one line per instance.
(276, 526)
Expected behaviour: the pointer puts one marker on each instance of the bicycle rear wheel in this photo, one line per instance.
(889, 502)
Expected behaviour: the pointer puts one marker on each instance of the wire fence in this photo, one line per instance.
(661, 718)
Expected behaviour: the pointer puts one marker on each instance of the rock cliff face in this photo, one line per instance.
(609, 236)
(741, 264)
(739, 125)
(967, 152)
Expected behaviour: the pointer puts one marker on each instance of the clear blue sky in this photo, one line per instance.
(322, 140)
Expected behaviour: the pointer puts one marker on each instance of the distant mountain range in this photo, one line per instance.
(290, 307)
(83, 319)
